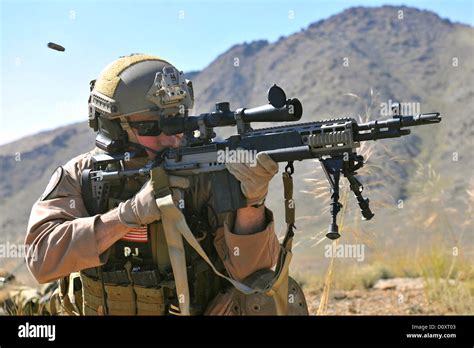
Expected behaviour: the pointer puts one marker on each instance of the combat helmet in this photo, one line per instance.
(135, 84)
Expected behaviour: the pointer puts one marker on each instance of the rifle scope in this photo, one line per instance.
(279, 110)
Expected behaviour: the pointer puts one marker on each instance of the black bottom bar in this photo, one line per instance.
(291, 331)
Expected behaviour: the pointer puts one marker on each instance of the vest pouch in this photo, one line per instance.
(91, 295)
(150, 301)
(120, 299)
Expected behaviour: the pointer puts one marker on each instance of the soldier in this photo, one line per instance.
(120, 261)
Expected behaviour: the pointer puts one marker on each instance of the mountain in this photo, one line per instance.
(368, 52)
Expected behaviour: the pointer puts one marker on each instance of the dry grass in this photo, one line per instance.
(23, 301)
(448, 279)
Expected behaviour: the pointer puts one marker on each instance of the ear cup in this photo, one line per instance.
(111, 137)
(111, 128)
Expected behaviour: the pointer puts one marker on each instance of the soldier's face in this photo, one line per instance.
(156, 143)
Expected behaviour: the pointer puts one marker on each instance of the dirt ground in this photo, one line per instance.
(398, 296)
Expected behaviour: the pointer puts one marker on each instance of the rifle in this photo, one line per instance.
(333, 142)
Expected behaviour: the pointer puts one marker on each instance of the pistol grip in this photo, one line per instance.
(226, 192)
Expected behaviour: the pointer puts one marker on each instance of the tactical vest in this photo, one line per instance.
(137, 278)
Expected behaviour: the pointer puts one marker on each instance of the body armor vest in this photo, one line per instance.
(137, 278)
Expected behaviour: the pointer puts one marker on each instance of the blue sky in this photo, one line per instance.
(43, 89)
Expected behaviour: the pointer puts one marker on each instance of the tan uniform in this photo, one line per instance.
(62, 239)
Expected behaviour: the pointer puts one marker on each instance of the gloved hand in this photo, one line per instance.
(254, 180)
(142, 209)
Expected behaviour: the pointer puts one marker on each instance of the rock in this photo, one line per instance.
(339, 295)
(400, 284)
(384, 284)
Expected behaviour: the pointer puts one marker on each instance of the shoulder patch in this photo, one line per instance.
(53, 183)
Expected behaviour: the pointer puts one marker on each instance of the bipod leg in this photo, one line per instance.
(357, 188)
(332, 168)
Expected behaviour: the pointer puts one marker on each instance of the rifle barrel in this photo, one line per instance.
(401, 121)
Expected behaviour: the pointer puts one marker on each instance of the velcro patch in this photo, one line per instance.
(53, 183)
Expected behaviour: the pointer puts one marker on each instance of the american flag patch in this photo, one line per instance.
(137, 235)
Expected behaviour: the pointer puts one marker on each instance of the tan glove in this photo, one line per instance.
(254, 180)
(142, 209)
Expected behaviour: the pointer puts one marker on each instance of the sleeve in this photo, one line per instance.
(60, 236)
(242, 255)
